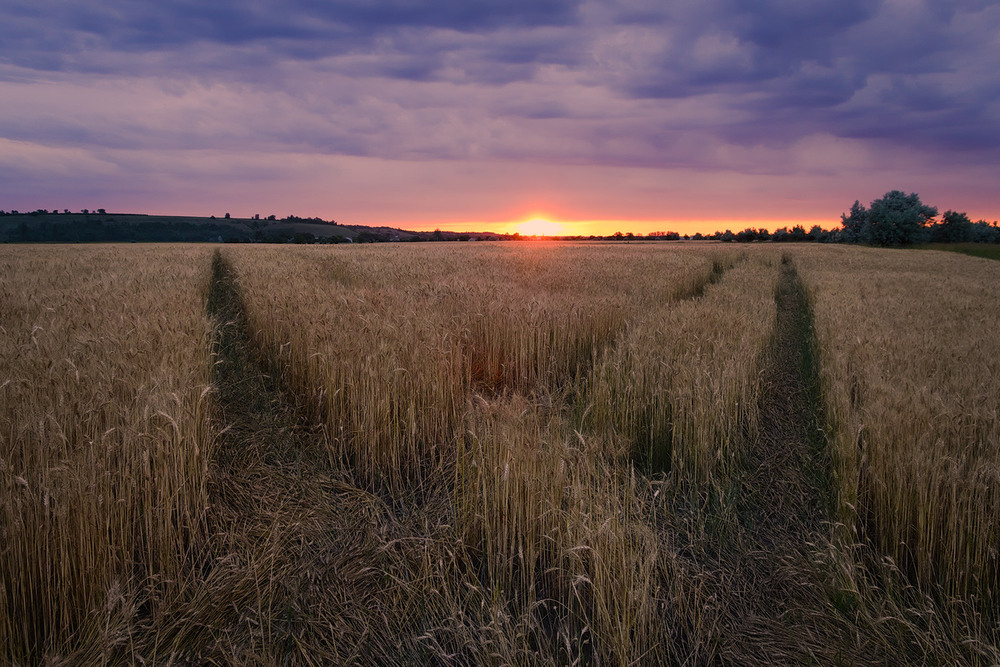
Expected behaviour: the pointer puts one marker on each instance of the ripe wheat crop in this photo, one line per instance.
(387, 343)
(104, 440)
(545, 517)
(683, 384)
(521, 453)
(911, 370)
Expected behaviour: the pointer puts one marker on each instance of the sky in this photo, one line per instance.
(619, 115)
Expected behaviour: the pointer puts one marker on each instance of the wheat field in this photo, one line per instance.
(105, 441)
(911, 377)
(498, 453)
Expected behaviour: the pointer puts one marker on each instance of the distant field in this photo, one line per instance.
(987, 250)
(533, 453)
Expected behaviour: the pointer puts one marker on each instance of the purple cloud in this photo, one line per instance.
(714, 87)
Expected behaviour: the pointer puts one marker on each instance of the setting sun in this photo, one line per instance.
(539, 227)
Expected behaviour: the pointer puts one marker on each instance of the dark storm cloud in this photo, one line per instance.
(745, 44)
(891, 71)
(64, 34)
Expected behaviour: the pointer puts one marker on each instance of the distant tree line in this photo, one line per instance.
(55, 211)
(109, 230)
(44, 226)
(896, 219)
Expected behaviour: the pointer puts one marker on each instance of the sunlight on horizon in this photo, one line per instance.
(540, 227)
(538, 224)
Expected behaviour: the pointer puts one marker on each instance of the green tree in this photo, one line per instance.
(955, 227)
(817, 233)
(855, 223)
(898, 219)
(984, 232)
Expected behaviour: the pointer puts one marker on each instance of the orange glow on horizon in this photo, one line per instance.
(538, 225)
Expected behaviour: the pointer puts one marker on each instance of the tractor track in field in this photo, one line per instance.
(252, 406)
(270, 487)
(292, 559)
(285, 514)
(773, 606)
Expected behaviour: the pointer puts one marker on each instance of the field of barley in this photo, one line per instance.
(498, 453)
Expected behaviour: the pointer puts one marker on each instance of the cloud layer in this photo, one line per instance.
(851, 98)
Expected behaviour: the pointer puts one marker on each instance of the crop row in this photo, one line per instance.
(549, 411)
